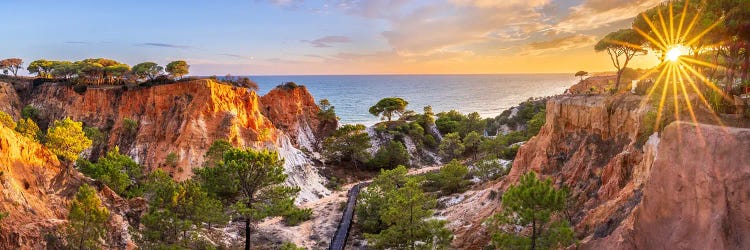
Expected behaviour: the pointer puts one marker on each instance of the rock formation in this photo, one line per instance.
(630, 190)
(185, 118)
(36, 192)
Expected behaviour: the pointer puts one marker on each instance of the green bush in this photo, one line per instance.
(7, 120)
(391, 155)
(30, 112)
(296, 216)
(536, 123)
(291, 246)
(171, 159)
(452, 177)
(129, 125)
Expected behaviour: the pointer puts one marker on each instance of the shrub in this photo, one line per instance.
(27, 127)
(289, 86)
(291, 246)
(390, 156)
(171, 159)
(30, 112)
(452, 177)
(129, 125)
(296, 216)
(536, 123)
(7, 120)
(451, 146)
(489, 169)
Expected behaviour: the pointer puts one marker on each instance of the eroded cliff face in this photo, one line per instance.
(673, 191)
(182, 118)
(697, 195)
(9, 101)
(588, 145)
(294, 111)
(185, 118)
(36, 192)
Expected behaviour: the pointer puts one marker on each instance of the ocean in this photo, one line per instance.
(489, 95)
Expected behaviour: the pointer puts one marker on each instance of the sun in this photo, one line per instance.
(674, 53)
(678, 72)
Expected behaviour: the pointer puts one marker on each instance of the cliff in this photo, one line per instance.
(185, 118)
(294, 111)
(629, 190)
(36, 192)
(696, 196)
(9, 101)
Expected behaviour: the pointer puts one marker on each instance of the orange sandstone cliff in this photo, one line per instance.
(36, 193)
(630, 190)
(185, 118)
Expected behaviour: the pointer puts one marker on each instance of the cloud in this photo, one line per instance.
(236, 56)
(373, 9)
(593, 14)
(325, 42)
(284, 61)
(558, 45)
(164, 45)
(423, 28)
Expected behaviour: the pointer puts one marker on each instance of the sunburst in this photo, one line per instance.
(677, 75)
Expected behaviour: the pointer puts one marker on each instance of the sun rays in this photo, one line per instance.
(678, 76)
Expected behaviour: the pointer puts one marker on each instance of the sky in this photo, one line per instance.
(323, 37)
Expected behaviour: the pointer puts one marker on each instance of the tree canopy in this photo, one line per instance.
(147, 70)
(252, 183)
(86, 220)
(66, 139)
(12, 65)
(532, 204)
(581, 74)
(348, 143)
(387, 107)
(622, 46)
(178, 68)
(395, 212)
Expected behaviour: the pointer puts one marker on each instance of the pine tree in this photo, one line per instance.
(119, 172)
(176, 211)
(252, 183)
(451, 147)
(87, 220)
(406, 216)
(532, 204)
(452, 176)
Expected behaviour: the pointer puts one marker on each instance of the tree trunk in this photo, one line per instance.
(533, 234)
(617, 82)
(247, 234)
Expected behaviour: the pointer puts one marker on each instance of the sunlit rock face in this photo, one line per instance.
(294, 111)
(696, 196)
(185, 118)
(9, 101)
(629, 190)
(36, 191)
(586, 144)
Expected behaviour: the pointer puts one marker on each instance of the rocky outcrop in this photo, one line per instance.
(685, 188)
(9, 101)
(36, 193)
(696, 196)
(184, 118)
(293, 110)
